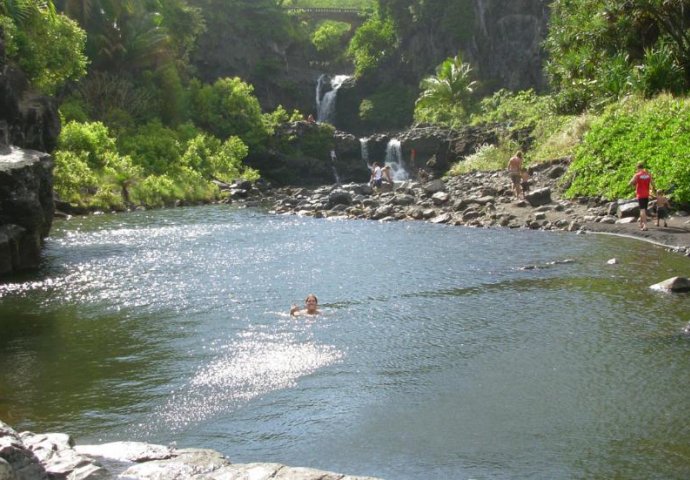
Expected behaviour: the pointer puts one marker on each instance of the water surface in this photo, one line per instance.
(443, 352)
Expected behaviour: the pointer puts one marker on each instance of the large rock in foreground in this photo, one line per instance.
(29, 456)
(26, 207)
(673, 284)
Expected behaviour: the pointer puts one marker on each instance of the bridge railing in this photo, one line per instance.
(324, 10)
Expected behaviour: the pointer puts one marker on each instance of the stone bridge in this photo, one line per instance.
(353, 16)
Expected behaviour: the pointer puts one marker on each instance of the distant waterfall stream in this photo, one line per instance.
(364, 148)
(395, 160)
(325, 102)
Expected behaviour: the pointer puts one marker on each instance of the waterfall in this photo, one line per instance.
(325, 104)
(364, 148)
(323, 78)
(335, 171)
(395, 160)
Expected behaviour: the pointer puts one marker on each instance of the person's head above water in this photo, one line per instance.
(311, 303)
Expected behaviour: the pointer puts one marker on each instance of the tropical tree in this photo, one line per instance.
(448, 96)
(600, 50)
(48, 47)
(373, 42)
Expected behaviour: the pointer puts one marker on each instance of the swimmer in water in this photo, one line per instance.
(311, 307)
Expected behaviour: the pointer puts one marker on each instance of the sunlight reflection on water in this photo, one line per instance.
(254, 364)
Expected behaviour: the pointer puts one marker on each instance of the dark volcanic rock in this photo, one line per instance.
(26, 208)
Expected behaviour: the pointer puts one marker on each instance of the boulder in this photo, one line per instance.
(339, 197)
(673, 284)
(26, 208)
(17, 458)
(628, 209)
(434, 186)
(538, 197)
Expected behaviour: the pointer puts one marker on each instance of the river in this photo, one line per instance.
(442, 352)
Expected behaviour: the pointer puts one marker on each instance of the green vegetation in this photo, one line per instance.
(447, 97)
(141, 128)
(328, 38)
(602, 50)
(359, 4)
(656, 132)
(46, 45)
(372, 44)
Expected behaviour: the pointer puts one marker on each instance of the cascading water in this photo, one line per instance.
(395, 160)
(335, 171)
(325, 103)
(364, 148)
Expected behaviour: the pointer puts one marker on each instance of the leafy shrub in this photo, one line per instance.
(328, 38)
(659, 72)
(655, 132)
(226, 108)
(371, 44)
(193, 187)
(73, 110)
(154, 147)
(73, 177)
(121, 171)
(107, 197)
(212, 158)
(280, 116)
(49, 47)
(155, 191)
(523, 109)
(93, 139)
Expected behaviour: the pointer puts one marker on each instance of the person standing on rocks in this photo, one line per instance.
(376, 176)
(386, 175)
(642, 181)
(515, 173)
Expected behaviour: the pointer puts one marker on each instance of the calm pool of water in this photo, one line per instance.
(438, 355)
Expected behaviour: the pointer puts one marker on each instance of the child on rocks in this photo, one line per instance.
(662, 207)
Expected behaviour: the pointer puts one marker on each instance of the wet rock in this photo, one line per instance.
(673, 284)
(339, 197)
(434, 186)
(628, 209)
(538, 197)
(439, 198)
(22, 462)
(443, 218)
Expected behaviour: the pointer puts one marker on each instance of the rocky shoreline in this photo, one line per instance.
(480, 199)
(54, 456)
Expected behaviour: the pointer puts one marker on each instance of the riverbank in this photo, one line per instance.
(485, 200)
(31, 456)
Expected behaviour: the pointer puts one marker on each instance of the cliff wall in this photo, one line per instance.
(501, 39)
(29, 126)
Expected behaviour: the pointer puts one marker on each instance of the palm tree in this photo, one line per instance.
(452, 86)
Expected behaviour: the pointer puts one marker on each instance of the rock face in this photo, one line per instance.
(29, 121)
(26, 207)
(504, 48)
(506, 45)
(503, 44)
(29, 456)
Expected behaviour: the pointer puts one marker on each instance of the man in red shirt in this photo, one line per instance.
(642, 181)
